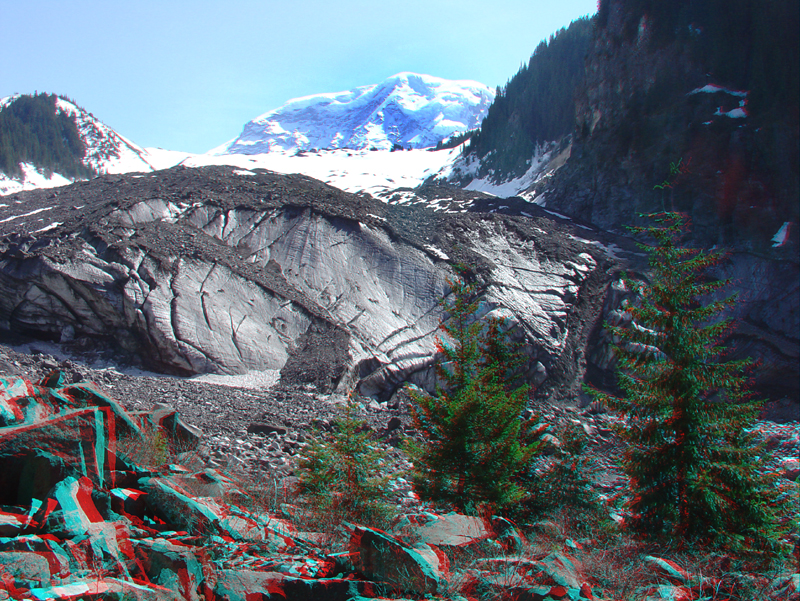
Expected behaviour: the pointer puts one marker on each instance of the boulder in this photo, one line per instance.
(421, 569)
(670, 570)
(175, 566)
(112, 589)
(166, 417)
(248, 585)
(36, 456)
(451, 529)
(25, 567)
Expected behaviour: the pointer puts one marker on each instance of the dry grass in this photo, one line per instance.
(151, 449)
(612, 561)
(615, 567)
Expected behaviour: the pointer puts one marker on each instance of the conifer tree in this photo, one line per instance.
(695, 470)
(342, 476)
(471, 426)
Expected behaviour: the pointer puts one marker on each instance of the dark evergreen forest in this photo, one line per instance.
(32, 130)
(743, 44)
(537, 105)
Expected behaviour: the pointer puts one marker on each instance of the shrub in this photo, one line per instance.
(565, 485)
(149, 448)
(341, 477)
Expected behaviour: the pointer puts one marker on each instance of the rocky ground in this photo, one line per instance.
(259, 432)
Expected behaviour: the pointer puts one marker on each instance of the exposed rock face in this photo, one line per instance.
(651, 97)
(205, 270)
(649, 101)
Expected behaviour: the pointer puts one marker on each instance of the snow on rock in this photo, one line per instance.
(782, 235)
(739, 112)
(160, 158)
(31, 179)
(106, 152)
(407, 109)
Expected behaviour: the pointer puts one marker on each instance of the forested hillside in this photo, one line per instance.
(33, 131)
(712, 83)
(536, 105)
(743, 44)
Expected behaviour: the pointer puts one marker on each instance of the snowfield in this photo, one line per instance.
(367, 171)
(344, 139)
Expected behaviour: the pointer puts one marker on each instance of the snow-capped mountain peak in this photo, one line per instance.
(407, 109)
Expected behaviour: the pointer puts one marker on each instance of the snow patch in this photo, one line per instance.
(34, 212)
(543, 161)
(782, 235)
(47, 228)
(255, 380)
(32, 179)
(739, 112)
(374, 172)
(437, 252)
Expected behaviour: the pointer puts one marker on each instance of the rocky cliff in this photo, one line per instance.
(220, 270)
(660, 88)
(694, 109)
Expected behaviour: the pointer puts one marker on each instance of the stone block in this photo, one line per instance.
(246, 585)
(35, 456)
(508, 535)
(563, 569)
(12, 523)
(81, 520)
(111, 589)
(670, 570)
(451, 529)
(26, 567)
(184, 435)
(175, 566)
(61, 561)
(167, 499)
(384, 559)
(261, 428)
(128, 501)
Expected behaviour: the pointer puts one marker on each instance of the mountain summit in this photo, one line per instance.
(407, 109)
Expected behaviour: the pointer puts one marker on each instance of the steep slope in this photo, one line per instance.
(106, 150)
(694, 107)
(713, 85)
(102, 150)
(534, 110)
(406, 110)
(220, 270)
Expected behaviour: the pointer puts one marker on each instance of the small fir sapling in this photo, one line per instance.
(342, 476)
(471, 449)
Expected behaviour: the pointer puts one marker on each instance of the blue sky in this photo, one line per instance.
(187, 75)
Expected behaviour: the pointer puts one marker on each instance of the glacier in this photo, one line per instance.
(407, 110)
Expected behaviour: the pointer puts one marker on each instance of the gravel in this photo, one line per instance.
(260, 429)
